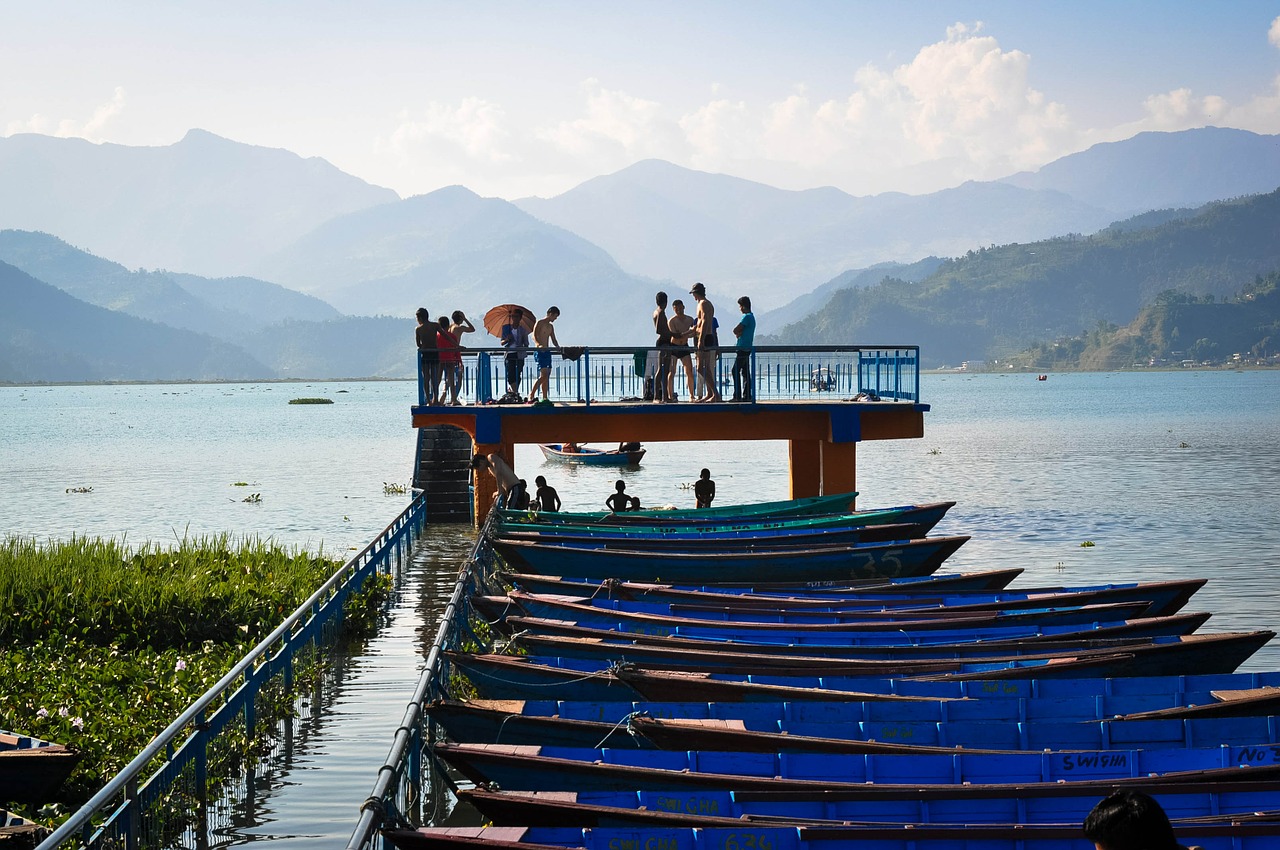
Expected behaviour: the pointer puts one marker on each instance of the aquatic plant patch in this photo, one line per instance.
(104, 646)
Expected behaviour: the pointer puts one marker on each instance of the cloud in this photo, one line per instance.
(615, 124)
(474, 129)
(67, 128)
(963, 101)
(1273, 35)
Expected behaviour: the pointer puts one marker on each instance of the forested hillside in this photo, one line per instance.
(997, 301)
(1176, 328)
(47, 335)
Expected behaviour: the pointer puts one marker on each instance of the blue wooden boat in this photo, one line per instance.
(585, 769)
(694, 526)
(938, 583)
(525, 677)
(1165, 597)
(731, 657)
(1242, 833)
(32, 769)
(592, 457)
(1158, 598)
(778, 727)
(860, 560)
(746, 539)
(788, 627)
(835, 503)
(1185, 804)
(530, 633)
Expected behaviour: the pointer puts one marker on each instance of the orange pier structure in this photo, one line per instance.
(823, 400)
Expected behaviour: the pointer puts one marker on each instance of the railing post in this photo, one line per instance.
(585, 374)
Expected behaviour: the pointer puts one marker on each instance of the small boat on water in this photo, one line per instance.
(31, 769)
(593, 457)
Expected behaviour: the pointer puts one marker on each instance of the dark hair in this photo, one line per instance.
(553, 309)
(706, 473)
(458, 315)
(620, 485)
(541, 481)
(1129, 820)
(745, 302)
(677, 303)
(421, 311)
(660, 299)
(444, 322)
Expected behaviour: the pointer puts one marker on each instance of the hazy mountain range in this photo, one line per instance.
(267, 249)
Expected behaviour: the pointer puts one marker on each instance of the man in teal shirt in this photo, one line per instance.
(745, 331)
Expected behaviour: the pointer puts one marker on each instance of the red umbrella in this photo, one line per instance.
(502, 315)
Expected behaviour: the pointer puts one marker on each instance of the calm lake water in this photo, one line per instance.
(1168, 475)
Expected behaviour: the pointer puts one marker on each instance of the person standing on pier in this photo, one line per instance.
(544, 336)
(453, 365)
(428, 355)
(707, 342)
(663, 344)
(681, 327)
(515, 339)
(745, 331)
(704, 489)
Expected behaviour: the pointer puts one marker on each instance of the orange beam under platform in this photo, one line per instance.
(823, 436)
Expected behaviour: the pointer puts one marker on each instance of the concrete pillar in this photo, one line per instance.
(839, 468)
(805, 460)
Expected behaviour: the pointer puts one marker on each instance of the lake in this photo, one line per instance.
(1167, 475)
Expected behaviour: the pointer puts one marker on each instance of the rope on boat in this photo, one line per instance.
(625, 721)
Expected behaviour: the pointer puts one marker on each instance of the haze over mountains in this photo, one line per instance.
(266, 248)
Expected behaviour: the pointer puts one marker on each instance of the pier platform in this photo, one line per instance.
(823, 400)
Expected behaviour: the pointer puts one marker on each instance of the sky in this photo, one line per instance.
(513, 99)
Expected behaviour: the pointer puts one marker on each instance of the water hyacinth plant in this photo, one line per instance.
(104, 645)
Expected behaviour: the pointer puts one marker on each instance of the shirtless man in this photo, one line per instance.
(681, 327)
(706, 341)
(503, 475)
(544, 336)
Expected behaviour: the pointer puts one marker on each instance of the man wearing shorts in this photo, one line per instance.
(544, 336)
(707, 342)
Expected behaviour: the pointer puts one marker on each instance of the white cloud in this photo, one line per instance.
(67, 128)
(1273, 35)
(615, 123)
(474, 128)
(963, 101)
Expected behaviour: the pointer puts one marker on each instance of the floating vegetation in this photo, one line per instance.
(1086, 544)
(79, 489)
(240, 484)
(310, 401)
(253, 498)
(103, 646)
(393, 489)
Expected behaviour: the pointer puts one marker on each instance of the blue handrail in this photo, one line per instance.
(185, 741)
(797, 373)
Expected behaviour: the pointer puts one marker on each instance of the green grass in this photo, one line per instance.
(102, 646)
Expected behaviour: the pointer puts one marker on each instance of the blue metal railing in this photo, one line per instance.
(794, 373)
(128, 799)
